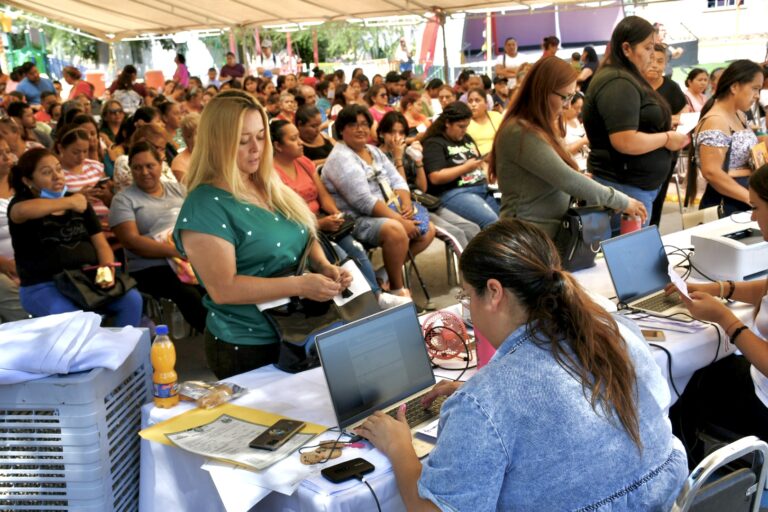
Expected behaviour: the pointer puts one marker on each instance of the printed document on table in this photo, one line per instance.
(226, 438)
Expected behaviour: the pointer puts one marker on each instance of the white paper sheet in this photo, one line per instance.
(688, 122)
(678, 281)
(359, 284)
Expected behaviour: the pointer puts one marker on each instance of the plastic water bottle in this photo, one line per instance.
(165, 381)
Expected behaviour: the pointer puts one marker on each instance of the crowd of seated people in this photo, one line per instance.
(203, 192)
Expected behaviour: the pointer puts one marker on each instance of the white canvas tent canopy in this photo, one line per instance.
(113, 20)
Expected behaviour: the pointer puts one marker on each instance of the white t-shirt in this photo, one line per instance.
(6, 248)
(510, 62)
(760, 328)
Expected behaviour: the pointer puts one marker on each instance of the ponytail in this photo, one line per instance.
(524, 260)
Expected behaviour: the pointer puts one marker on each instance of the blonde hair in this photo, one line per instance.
(189, 124)
(214, 157)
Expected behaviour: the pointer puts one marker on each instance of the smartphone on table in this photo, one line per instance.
(276, 435)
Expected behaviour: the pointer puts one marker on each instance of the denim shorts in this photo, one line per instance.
(368, 229)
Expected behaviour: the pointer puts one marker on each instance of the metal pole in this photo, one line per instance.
(488, 44)
(441, 18)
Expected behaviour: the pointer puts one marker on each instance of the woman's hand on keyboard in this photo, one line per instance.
(390, 436)
(710, 288)
(442, 388)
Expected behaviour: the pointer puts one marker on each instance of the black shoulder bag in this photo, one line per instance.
(579, 236)
(301, 319)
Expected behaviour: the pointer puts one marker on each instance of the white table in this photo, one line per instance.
(172, 479)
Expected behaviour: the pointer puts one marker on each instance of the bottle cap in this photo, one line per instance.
(161, 330)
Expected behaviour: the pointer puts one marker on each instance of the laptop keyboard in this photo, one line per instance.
(416, 414)
(659, 302)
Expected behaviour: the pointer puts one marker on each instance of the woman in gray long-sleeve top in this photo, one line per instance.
(536, 174)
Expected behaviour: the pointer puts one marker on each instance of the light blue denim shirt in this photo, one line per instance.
(352, 182)
(522, 435)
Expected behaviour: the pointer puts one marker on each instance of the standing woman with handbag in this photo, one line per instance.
(239, 227)
(628, 123)
(537, 175)
(722, 139)
(53, 231)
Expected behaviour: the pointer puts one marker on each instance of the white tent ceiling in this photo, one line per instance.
(118, 19)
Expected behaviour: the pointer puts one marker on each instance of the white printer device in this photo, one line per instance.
(730, 252)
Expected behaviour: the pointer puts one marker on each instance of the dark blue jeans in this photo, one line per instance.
(475, 203)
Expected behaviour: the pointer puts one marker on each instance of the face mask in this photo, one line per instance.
(49, 194)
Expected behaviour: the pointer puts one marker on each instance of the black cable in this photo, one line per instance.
(669, 367)
(362, 479)
(467, 357)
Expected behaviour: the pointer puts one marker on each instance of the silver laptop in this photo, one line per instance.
(378, 363)
(638, 266)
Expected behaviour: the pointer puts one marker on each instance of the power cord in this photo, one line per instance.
(362, 479)
(669, 367)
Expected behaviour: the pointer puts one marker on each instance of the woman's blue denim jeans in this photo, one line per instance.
(45, 299)
(644, 196)
(475, 203)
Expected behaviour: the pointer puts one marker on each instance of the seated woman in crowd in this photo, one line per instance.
(170, 113)
(151, 133)
(537, 176)
(240, 226)
(455, 169)
(446, 96)
(411, 108)
(576, 140)
(81, 174)
(193, 101)
(180, 164)
(723, 133)
(142, 216)
(112, 116)
(299, 173)
(317, 146)
(570, 412)
(695, 88)
(54, 230)
(732, 393)
(251, 85)
(126, 91)
(391, 135)
(345, 95)
(378, 101)
(12, 134)
(362, 182)
(10, 304)
(264, 90)
(287, 107)
(484, 124)
(88, 124)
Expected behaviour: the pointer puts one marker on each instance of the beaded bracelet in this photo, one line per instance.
(736, 333)
(731, 290)
(722, 292)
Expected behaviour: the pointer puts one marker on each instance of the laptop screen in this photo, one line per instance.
(637, 263)
(374, 362)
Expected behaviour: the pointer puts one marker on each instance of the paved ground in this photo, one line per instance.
(191, 363)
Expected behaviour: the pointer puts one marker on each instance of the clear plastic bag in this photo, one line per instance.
(208, 395)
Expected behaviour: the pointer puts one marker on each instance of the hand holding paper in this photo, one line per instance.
(678, 281)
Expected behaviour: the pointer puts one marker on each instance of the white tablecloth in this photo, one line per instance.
(172, 479)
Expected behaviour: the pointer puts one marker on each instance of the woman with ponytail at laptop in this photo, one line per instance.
(731, 394)
(570, 412)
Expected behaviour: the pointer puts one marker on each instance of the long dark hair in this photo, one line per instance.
(740, 71)
(530, 107)
(524, 260)
(25, 167)
(634, 30)
(452, 113)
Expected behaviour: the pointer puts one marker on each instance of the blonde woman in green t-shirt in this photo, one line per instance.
(239, 226)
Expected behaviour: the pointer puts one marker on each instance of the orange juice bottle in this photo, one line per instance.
(165, 381)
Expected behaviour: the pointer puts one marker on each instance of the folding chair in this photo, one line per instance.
(708, 489)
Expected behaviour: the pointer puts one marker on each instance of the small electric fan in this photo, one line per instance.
(446, 336)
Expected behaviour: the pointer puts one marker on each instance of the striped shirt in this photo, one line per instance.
(92, 172)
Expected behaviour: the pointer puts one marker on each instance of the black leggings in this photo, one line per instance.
(161, 282)
(721, 395)
(227, 359)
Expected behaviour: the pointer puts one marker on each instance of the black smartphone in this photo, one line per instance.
(276, 435)
(347, 470)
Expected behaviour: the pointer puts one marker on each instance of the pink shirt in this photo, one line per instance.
(182, 75)
(82, 87)
(304, 184)
(377, 115)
